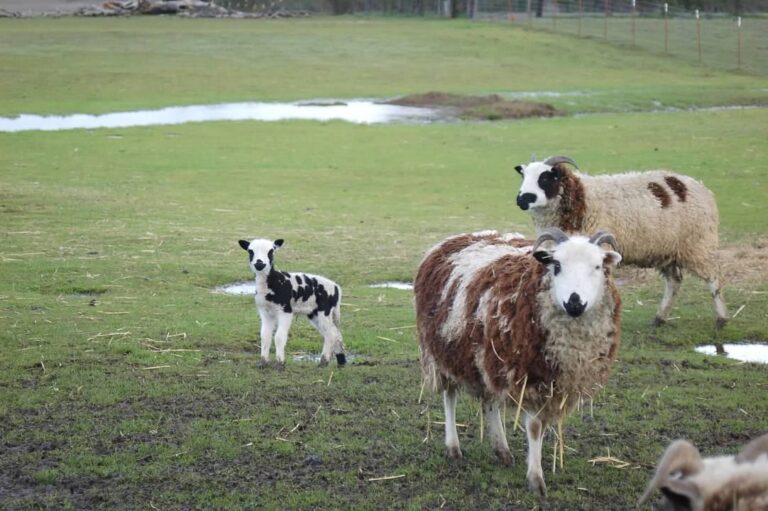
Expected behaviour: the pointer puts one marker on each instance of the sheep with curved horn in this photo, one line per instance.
(506, 319)
(660, 219)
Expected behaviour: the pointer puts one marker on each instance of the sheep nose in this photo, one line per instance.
(573, 306)
(259, 265)
(524, 200)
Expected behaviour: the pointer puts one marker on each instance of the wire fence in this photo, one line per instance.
(713, 39)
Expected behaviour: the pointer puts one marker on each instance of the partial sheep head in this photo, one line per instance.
(577, 268)
(541, 181)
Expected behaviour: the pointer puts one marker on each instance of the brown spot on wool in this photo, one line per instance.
(572, 210)
(660, 193)
(677, 186)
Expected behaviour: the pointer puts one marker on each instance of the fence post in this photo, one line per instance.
(530, 18)
(666, 28)
(605, 27)
(581, 9)
(633, 15)
(738, 48)
(554, 15)
(698, 33)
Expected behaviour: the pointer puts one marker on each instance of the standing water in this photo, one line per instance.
(744, 352)
(358, 112)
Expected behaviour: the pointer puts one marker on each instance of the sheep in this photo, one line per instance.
(661, 220)
(723, 483)
(503, 318)
(281, 295)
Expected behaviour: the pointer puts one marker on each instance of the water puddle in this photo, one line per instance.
(405, 286)
(238, 288)
(743, 352)
(357, 112)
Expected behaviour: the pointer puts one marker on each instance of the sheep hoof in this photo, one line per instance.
(263, 363)
(537, 486)
(323, 362)
(505, 457)
(657, 321)
(341, 359)
(454, 453)
(280, 365)
(720, 323)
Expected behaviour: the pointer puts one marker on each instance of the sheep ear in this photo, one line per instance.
(279, 243)
(753, 450)
(543, 256)
(519, 169)
(682, 493)
(611, 258)
(244, 244)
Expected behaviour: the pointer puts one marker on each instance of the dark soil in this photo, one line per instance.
(492, 107)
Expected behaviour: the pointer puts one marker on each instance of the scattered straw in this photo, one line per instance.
(387, 339)
(387, 478)
(402, 327)
(496, 352)
(561, 440)
(155, 367)
(519, 402)
(738, 311)
(610, 460)
(421, 393)
(329, 379)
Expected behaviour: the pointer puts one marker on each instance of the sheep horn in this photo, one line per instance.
(680, 456)
(554, 160)
(533, 157)
(601, 237)
(550, 234)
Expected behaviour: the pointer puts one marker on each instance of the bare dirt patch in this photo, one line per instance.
(492, 107)
(741, 264)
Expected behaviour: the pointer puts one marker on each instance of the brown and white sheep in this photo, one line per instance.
(660, 219)
(723, 483)
(503, 318)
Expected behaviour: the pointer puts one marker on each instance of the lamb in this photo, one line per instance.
(503, 318)
(281, 295)
(723, 483)
(660, 219)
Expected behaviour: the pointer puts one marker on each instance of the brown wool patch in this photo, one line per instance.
(678, 187)
(432, 312)
(515, 345)
(573, 205)
(660, 193)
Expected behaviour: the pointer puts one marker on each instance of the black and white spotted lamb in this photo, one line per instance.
(281, 295)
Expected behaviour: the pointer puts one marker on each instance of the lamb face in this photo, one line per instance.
(261, 254)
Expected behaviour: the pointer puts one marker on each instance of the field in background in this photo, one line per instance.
(126, 383)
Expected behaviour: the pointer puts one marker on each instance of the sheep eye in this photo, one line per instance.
(556, 267)
(597, 267)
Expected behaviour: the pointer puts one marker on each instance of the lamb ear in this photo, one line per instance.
(519, 169)
(543, 256)
(244, 244)
(611, 258)
(279, 243)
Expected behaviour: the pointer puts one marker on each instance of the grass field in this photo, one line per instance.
(125, 383)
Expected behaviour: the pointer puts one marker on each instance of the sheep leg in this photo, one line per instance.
(284, 321)
(720, 311)
(534, 429)
(267, 327)
(453, 449)
(673, 278)
(495, 430)
(331, 339)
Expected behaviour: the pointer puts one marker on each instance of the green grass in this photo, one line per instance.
(126, 383)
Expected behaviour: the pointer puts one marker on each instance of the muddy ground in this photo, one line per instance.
(491, 107)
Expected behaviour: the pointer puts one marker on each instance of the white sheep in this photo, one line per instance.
(281, 295)
(503, 319)
(723, 483)
(660, 219)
